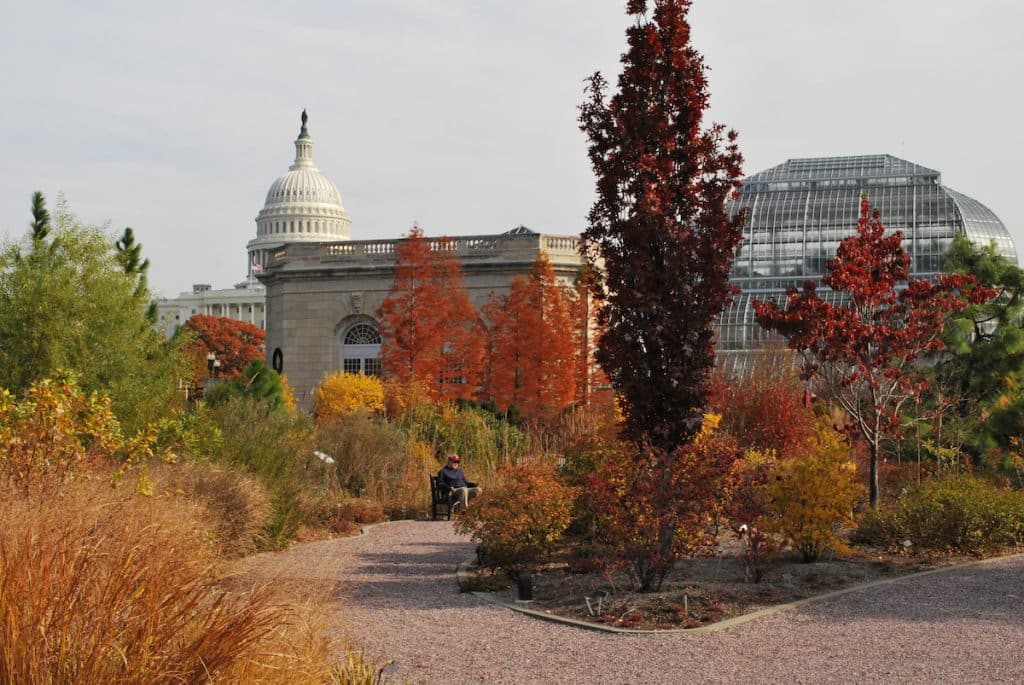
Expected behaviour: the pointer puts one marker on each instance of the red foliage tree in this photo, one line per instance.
(429, 327)
(533, 345)
(765, 409)
(236, 343)
(634, 502)
(659, 226)
(661, 230)
(863, 347)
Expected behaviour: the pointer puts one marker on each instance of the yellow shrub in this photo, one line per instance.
(289, 394)
(812, 495)
(521, 519)
(54, 432)
(340, 394)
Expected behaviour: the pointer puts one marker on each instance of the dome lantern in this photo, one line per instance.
(303, 148)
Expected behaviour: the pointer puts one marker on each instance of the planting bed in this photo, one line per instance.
(699, 592)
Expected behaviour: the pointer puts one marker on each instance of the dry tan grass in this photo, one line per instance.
(99, 584)
(379, 462)
(235, 504)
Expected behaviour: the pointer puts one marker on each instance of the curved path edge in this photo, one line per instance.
(462, 577)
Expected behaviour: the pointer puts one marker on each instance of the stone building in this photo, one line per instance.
(244, 302)
(323, 290)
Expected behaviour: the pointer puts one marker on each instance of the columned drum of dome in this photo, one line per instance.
(302, 205)
(798, 212)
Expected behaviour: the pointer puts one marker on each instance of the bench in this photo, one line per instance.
(438, 499)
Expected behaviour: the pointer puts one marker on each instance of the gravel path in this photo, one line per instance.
(394, 592)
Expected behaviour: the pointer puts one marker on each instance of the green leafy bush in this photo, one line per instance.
(956, 513)
(69, 304)
(267, 442)
(277, 447)
(257, 383)
(192, 434)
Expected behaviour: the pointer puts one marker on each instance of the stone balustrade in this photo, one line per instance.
(383, 251)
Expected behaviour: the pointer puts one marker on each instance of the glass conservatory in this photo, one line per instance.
(798, 212)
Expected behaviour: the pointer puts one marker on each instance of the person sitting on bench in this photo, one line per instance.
(460, 490)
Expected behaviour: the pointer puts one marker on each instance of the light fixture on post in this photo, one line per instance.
(212, 364)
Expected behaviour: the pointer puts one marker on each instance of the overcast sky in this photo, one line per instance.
(174, 118)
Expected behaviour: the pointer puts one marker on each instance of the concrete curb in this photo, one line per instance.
(462, 576)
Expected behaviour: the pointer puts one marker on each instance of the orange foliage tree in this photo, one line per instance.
(533, 345)
(236, 343)
(593, 388)
(634, 503)
(462, 350)
(429, 327)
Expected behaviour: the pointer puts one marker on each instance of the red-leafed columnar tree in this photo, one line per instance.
(659, 225)
(533, 345)
(661, 230)
(429, 328)
(236, 343)
(864, 343)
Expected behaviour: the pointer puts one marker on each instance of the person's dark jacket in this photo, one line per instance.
(453, 478)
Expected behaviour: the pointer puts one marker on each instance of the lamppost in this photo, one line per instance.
(212, 364)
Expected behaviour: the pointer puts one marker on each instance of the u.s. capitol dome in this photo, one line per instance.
(302, 205)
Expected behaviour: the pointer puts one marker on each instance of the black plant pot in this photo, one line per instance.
(524, 583)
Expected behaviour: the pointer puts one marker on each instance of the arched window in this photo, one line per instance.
(360, 350)
(362, 334)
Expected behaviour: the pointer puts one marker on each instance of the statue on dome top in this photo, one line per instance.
(305, 118)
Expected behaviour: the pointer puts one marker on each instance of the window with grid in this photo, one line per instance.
(362, 334)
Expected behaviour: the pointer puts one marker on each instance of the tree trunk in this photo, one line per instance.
(662, 558)
(873, 478)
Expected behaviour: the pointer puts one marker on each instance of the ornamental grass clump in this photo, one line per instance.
(486, 439)
(376, 460)
(99, 584)
(235, 504)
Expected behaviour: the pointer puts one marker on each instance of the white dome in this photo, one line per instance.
(305, 186)
(302, 205)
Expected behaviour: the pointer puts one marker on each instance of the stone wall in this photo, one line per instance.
(315, 292)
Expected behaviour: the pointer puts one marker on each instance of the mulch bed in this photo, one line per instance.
(700, 592)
